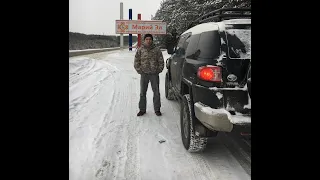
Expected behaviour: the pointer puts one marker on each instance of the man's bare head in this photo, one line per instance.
(148, 39)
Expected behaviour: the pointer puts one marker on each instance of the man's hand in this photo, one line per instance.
(137, 61)
(160, 61)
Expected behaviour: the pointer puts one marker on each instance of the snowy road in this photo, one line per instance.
(108, 141)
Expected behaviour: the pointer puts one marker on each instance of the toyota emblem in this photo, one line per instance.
(232, 77)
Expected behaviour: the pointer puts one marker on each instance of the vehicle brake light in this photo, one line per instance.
(210, 73)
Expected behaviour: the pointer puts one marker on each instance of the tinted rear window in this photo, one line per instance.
(193, 47)
(239, 43)
(205, 45)
(209, 45)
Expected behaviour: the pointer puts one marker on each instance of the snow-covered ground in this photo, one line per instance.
(108, 141)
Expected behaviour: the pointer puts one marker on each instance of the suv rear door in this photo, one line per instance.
(236, 43)
(238, 50)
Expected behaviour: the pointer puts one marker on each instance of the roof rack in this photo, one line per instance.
(223, 14)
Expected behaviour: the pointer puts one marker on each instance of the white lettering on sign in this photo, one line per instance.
(140, 27)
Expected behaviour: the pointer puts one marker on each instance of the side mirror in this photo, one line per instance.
(170, 49)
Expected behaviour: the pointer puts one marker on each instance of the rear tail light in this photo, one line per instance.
(210, 73)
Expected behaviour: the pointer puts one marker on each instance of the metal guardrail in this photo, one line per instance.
(90, 51)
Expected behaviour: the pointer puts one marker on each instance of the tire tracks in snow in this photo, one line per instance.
(87, 114)
(77, 66)
(132, 165)
(81, 102)
(120, 144)
(84, 72)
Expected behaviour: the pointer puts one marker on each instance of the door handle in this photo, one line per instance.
(175, 63)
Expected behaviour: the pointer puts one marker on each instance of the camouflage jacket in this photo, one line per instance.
(149, 60)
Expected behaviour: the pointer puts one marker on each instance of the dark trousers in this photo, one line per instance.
(144, 82)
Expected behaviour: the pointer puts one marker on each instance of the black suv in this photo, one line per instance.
(209, 72)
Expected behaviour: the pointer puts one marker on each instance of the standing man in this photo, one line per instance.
(149, 62)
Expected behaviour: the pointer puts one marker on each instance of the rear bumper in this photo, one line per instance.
(232, 99)
(219, 119)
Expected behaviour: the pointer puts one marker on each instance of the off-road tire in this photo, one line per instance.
(192, 142)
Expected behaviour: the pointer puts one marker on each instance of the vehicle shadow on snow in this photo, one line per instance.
(217, 146)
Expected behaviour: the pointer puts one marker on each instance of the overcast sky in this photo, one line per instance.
(98, 16)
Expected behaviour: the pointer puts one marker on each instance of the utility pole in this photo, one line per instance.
(121, 18)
